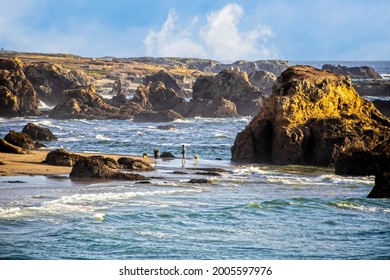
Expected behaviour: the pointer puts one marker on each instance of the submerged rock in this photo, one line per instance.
(167, 155)
(312, 118)
(161, 116)
(199, 181)
(39, 133)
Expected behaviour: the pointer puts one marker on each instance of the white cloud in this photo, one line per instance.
(172, 40)
(220, 38)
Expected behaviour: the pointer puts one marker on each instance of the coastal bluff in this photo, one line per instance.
(312, 117)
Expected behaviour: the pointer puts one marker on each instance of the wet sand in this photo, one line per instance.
(31, 164)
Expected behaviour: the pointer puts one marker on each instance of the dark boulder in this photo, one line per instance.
(39, 133)
(6, 147)
(372, 87)
(96, 167)
(167, 155)
(161, 116)
(135, 164)
(383, 107)
(61, 157)
(17, 95)
(20, 139)
(210, 108)
(382, 185)
(200, 181)
(359, 72)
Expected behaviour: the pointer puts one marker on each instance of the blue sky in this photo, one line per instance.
(221, 30)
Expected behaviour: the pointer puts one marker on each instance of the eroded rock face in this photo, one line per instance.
(312, 117)
(155, 96)
(39, 133)
(83, 103)
(360, 72)
(233, 85)
(168, 81)
(17, 95)
(51, 80)
(263, 80)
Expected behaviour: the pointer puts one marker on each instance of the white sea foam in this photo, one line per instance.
(348, 205)
(102, 137)
(99, 216)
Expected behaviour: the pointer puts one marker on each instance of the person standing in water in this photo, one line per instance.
(155, 152)
(183, 151)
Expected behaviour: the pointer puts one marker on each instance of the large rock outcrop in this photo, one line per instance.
(312, 117)
(156, 97)
(358, 72)
(17, 95)
(100, 168)
(51, 80)
(84, 103)
(168, 81)
(6, 147)
(233, 85)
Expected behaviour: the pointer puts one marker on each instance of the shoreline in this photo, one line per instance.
(31, 163)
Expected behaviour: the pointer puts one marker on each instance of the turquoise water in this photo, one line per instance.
(250, 212)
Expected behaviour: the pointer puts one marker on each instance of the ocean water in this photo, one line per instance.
(250, 212)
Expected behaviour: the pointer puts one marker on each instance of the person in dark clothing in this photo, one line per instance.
(155, 152)
(183, 151)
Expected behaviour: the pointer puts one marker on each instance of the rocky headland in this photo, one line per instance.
(312, 117)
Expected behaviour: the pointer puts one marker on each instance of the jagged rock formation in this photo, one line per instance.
(360, 72)
(209, 108)
(168, 81)
(17, 95)
(101, 168)
(206, 65)
(312, 117)
(51, 80)
(264, 80)
(20, 139)
(39, 133)
(156, 97)
(230, 84)
(382, 185)
(83, 103)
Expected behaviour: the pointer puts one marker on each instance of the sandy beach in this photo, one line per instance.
(31, 164)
